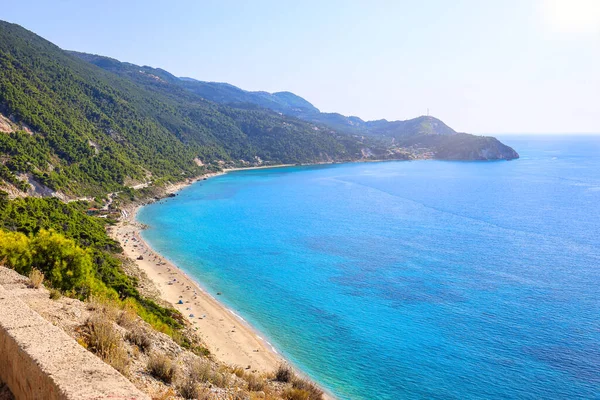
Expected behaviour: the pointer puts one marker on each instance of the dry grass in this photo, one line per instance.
(55, 294)
(264, 396)
(296, 394)
(255, 383)
(102, 339)
(189, 389)
(220, 380)
(284, 373)
(36, 277)
(205, 394)
(140, 338)
(108, 308)
(302, 389)
(239, 372)
(314, 392)
(127, 317)
(240, 395)
(201, 371)
(161, 367)
(168, 394)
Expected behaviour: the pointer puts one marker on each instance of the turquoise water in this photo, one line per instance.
(408, 280)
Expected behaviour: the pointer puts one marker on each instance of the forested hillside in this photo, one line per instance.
(82, 130)
(282, 102)
(69, 128)
(293, 105)
(77, 124)
(419, 137)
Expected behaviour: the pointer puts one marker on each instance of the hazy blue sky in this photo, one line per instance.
(482, 66)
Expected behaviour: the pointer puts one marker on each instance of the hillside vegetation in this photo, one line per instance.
(74, 124)
(80, 126)
(80, 129)
(424, 131)
(419, 137)
(75, 254)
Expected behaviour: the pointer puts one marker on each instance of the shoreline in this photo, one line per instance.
(228, 336)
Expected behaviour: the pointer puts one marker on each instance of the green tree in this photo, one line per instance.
(15, 251)
(66, 266)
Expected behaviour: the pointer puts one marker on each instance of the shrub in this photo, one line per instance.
(189, 389)
(255, 383)
(201, 371)
(219, 379)
(239, 372)
(284, 373)
(200, 351)
(296, 394)
(204, 394)
(241, 395)
(314, 392)
(108, 308)
(55, 294)
(36, 277)
(127, 317)
(161, 367)
(140, 338)
(168, 394)
(15, 251)
(69, 267)
(102, 339)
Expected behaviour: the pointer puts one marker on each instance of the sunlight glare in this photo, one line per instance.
(572, 16)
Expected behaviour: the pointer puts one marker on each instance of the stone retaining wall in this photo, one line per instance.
(40, 361)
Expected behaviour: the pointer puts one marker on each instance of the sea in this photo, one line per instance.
(410, 279)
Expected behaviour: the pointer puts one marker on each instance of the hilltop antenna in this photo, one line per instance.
(428, 111)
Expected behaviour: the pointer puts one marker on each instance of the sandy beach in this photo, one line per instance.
(227, 336)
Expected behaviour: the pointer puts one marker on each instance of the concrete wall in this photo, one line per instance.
(40, 361)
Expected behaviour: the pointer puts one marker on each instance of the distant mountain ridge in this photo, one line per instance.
(421, 132)
(284, 102)
(76, 124)
(291, 104)
(422, 136)
(72, 128)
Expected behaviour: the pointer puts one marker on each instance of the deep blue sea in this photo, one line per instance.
(410, 280)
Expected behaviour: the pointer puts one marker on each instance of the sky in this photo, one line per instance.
(482, 66)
